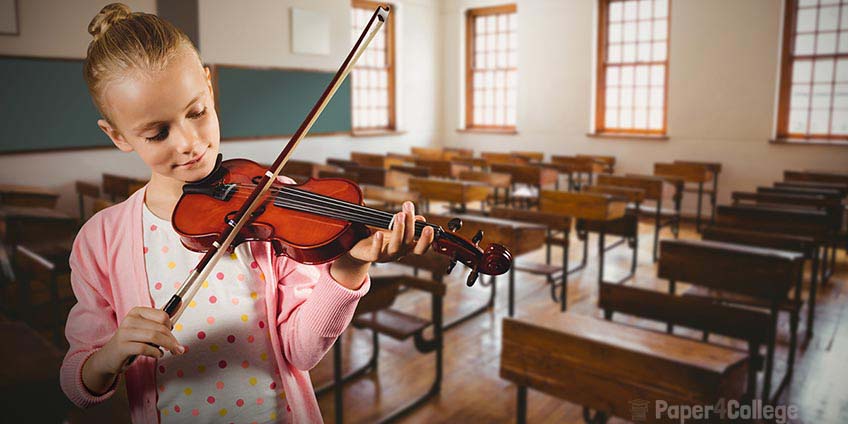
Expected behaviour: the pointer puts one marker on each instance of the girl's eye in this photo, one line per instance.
(198, 115)
(163, 134)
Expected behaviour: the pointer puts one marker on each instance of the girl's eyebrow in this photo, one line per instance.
(157, 123)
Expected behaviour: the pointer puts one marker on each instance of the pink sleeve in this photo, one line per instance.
(314, 310)
(91, 322)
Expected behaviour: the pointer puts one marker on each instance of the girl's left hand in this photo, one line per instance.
(383, 246)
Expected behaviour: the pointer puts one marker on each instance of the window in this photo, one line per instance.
(813, 101)
(491, 68)
(373, 77)
(632, 83)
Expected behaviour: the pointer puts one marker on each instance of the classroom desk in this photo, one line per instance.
(451, 191)
(18, 195)
(518, 237)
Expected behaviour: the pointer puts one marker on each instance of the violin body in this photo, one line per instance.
(202, 214)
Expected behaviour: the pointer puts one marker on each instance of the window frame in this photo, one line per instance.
(787, 61)
(470, 14)
(389, 28)
(600, 129)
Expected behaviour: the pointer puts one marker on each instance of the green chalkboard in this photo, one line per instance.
(44, 105)
(257, 103)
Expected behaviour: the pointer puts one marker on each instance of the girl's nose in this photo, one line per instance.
(186, 139)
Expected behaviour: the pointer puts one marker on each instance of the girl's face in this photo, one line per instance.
(167, 117)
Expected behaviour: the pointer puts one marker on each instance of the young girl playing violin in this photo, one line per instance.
(242, 350)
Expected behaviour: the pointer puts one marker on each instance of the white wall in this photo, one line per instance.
(252, 33)
(724, 57)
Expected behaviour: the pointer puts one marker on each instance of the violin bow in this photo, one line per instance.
(176, 305)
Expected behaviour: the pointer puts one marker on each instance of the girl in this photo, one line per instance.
(242, 350)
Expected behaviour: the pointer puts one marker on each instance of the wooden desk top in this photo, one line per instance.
(690, 173)
(574, 164)
(34, 213)
(527, 174)
(605, 366)
(450, 190)
(19, 195)
(474, 162)
(714, 167)
(494, 179)
(632, 195)
(519, 237)
(593, 206)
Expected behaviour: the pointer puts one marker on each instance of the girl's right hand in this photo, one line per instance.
(140, 333)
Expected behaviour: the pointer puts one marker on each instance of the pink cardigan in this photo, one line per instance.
(109, 278)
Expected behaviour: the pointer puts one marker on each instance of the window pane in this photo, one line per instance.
(630, 11)
(615, 11)
(614, 54)
(629, 54)
(658, 75)
(656, 119)
(804, 44)
(640, 118)
(826, 43)
(828, 18)
(612, 97)
(611, 118)
(842, 70)
(629, 32)
(660, 29)
(644, 30)
(644, 52)
(819, 121)
(613, 75)
(660, 8)
(642, 75)
(615, 33)
(821, 96)
(659, 51)
(840, 122)
(824, 70)
(800, 98)
(798, 121)
(806, 20)
(840, 96)
(802, 71)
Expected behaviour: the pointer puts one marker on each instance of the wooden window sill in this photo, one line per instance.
(501, 131)
(375, 133)
(809, 142)
(625, 136)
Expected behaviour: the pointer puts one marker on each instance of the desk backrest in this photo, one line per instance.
(761, 273)
(653, 186)
(807, 223)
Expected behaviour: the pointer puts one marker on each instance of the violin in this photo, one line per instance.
(313, 223)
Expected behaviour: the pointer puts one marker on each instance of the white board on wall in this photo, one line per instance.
(310, 32)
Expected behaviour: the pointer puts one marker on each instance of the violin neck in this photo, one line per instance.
(305, 201)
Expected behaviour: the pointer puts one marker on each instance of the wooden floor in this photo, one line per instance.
(472, 390)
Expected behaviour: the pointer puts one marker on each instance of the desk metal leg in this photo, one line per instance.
(511, 291)
(564, 283)
(601, 256)
(811, 302)
(338, 393)
(700, 201)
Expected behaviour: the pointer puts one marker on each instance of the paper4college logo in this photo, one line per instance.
(639, 409)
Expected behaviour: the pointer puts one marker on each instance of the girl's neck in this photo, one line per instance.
(162, 195)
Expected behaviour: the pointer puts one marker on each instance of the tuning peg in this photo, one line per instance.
(472, 277)
(454, 224)
(477, 237)
(450, 266)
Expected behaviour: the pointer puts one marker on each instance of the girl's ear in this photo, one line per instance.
(209, 80)
(114, 135)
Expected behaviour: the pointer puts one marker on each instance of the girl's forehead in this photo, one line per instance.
(148, 95)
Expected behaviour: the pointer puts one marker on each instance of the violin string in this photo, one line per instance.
(336, 202)
(306, 207)
(328, 201)
(375, 218)
(340, 203)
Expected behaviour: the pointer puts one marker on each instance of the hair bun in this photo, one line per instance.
(108, 16)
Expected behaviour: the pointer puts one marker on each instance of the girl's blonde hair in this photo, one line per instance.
(127, 41)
